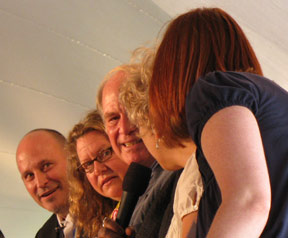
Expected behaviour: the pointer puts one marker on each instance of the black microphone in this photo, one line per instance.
(134, 185)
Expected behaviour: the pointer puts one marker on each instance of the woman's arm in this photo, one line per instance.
(189, 225)
(232, 145)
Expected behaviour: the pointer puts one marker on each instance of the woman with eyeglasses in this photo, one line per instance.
(95, 175)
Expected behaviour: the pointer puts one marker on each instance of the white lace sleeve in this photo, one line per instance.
(187, 196)
(189, 189)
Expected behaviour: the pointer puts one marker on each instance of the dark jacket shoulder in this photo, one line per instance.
(158, 218)
(50, 229)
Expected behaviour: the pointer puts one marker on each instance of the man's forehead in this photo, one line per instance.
(110, 103)
(110, 95)
(26, 163)
(43, 149)
(118, 75)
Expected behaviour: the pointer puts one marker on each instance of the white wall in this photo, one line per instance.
(53, 56)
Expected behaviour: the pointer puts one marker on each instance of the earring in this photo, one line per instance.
(157, 143)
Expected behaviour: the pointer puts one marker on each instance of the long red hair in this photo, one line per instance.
(195, 43)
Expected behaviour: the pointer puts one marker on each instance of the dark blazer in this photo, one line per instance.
(50, 229)
(158, 218)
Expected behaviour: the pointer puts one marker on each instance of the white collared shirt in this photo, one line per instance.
(68, 226)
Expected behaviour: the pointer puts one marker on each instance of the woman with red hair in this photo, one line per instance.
(207, 70)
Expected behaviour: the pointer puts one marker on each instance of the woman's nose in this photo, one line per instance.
(99, 168)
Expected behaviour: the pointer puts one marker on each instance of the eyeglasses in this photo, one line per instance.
(103, 156)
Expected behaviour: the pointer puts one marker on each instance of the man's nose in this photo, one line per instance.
(41, 179)
(125, 126)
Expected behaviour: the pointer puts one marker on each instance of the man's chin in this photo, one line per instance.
(54, 205)
(130, 156)
(141, 158)
(57, 208)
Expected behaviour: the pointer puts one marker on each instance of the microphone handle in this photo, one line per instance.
(127, 206)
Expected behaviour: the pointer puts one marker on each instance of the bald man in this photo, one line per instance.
(42, 163)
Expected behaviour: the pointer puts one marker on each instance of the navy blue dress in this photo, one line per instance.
(269, 104)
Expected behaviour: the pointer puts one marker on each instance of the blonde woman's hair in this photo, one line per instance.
(133, 94)
(87, 207)
(137, 74)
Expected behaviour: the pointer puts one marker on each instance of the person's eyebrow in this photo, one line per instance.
(109, 114)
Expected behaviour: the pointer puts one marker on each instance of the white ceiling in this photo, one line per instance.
(264, 21)
(55, 53)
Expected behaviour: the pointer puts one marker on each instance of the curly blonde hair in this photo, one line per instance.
(134, 91)
(87, 207)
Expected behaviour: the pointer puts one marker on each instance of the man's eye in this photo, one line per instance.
(113, 120)
(46, 166)
(110, 119)
(28, 176)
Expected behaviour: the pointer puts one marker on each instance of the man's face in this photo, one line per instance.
(42, 164)
(122, 134)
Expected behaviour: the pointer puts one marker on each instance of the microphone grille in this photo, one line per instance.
(136, 179)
